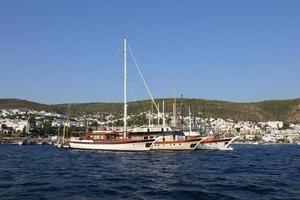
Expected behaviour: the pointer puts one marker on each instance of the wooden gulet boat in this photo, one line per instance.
(166, 138)
(210, 142)
(114, 141)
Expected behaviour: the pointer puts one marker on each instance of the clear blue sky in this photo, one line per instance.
(58, 51)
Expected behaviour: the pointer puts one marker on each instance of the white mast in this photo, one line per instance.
(174, 110)
(158, 114)
(125, 88)
(149, 119)
(163, 113)
(190, 120)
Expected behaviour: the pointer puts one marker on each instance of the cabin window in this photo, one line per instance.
(145, 137)
(193, 145)
(164, 139)
(162, 129)
(148, 130)
(148, 145)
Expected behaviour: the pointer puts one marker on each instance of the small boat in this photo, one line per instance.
(61, 145)
(23, 142)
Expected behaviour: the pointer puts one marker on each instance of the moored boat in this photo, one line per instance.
(23, 142)
(114, 141)
(166, 138)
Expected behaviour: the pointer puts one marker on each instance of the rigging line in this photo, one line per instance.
(144, 81)
(131, 91)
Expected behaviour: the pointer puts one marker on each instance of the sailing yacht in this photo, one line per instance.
(166, 138)
(114, 140)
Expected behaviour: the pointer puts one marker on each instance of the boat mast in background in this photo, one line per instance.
(190, 121)
(163, 113)
(174, 110)
(125, 88)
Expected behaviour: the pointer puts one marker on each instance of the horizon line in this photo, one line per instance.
(160, 98)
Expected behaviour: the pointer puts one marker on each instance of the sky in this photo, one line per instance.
(66, 51)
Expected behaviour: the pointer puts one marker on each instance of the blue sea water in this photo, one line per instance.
(248, 172)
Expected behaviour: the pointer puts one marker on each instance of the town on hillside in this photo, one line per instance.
(16, 123)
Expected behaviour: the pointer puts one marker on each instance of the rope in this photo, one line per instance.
(144, 81)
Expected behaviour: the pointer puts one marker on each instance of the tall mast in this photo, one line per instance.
(158, 114)
(174, 110)
(149, 119)
(125, 88)
(190, 120)
(163, 113)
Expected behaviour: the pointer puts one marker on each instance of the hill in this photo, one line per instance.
(23, 104)
(283, 110)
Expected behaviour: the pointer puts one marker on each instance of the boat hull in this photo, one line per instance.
(143, 145)
(176, 145)
(216, 144)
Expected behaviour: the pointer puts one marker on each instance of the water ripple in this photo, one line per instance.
(248, 172)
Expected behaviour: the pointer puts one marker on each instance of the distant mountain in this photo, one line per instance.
(283, 110)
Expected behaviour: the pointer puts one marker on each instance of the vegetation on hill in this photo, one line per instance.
(283, 110)
(23, 104)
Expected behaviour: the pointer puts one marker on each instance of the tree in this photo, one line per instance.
(47, 127)
(285, 126)
(24, 131)
(32, 121)
(256, 138)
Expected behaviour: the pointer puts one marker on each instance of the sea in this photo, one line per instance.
(247, 172)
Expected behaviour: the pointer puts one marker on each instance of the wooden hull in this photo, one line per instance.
(176, 145)
(140, 145)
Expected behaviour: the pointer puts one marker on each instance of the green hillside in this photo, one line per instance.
(284, 110)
